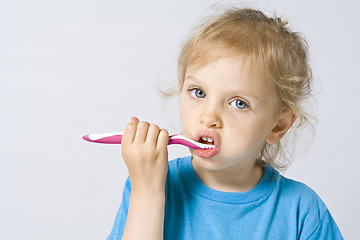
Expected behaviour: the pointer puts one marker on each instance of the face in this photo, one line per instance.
(230, 103)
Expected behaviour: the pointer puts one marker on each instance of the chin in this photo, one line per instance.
(210, 164)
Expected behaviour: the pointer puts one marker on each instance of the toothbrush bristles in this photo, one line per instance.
(208, 147)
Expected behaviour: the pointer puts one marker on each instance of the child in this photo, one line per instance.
(242, 77)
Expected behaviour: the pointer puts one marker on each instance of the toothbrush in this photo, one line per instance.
(115, 138)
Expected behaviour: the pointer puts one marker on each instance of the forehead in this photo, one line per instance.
(234, 68)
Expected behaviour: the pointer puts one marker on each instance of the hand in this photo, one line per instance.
(144, 150)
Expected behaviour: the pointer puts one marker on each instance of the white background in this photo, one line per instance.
(68, 68)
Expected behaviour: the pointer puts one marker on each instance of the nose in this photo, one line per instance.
(211, 116)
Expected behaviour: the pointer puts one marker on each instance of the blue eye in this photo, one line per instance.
(239, 104)
(197, 93)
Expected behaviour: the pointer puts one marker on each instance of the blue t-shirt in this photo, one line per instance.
(277, 208)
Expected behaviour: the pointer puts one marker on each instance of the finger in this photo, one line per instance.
(141, 132)
(129, 133)
(134, 119)
(163, 139)
(152, 134)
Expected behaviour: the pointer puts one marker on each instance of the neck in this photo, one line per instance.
(240, 179)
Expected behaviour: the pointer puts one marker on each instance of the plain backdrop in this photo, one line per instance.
(69, 68)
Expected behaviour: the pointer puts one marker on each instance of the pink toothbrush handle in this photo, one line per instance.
(115, 138)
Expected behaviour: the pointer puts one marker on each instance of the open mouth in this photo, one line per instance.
(209, 138)
(206, 140)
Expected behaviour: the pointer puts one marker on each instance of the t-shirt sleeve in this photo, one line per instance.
(327, 229)
(120, 220)
(314, 220)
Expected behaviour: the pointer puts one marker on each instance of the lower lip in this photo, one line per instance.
(206, 153)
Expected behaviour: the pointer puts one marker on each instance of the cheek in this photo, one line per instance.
(244, 132)
(185, 112)
(182, 107)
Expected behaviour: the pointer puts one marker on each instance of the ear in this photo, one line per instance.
(286, 119)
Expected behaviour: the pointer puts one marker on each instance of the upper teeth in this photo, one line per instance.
(205, 139)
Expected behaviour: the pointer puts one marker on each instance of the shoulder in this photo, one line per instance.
(179, 164)
(173, 163)
(305, 198)
(313, 217)
(300, 189)
(295, 196)
(180, 172)
(303, 194)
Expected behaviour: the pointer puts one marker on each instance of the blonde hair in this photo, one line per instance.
(247, 31)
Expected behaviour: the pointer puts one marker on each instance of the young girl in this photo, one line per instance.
(242, 78)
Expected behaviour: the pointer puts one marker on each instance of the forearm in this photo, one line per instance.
(145, 218)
